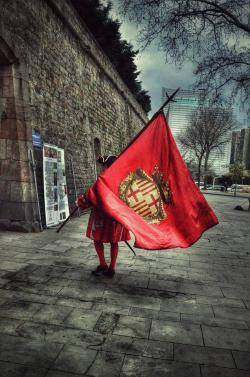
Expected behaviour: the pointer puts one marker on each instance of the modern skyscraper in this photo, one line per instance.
(179, 118)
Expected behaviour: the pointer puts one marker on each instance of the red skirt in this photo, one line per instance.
(105, 229)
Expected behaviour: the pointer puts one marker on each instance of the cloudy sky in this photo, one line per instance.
(155, 72)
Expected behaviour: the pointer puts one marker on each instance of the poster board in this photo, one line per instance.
(63, 206)
(54, 180)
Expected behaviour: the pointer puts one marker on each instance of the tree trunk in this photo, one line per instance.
(199, 170)
(205, 168)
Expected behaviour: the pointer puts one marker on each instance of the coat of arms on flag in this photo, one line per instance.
(146, 195)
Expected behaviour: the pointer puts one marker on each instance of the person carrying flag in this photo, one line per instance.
(104, 229)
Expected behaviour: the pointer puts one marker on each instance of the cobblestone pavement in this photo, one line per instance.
(178, 313)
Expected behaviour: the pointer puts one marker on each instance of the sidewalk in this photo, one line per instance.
(173, 313)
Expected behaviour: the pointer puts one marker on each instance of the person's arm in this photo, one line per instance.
(82, 203)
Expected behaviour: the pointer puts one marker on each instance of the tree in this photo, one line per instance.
(209, 130)
(212, 33)
(218, 124)
(192, 142)
(236, 171)
(121, 53)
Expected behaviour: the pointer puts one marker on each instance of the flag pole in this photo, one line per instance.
(169, 99)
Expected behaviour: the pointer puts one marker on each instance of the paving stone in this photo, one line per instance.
(106, 363)
(9, 326)
(219, 322)
(54, 314)
(83, 319)
(14, 370)
(38, 354)
(208, 371)
(242, 293)
(106, 323)
(148, 367)
(73, 303)
(133, 326)
(176, 332)
(220, 301)
(226, 338)
(19, 310)
(187, 307)
(159, 350)
(55, 373)
(200, 289)
(242, 359)
(203, 355)
(73, 359)
(117, 309)
(24, 296)
(240, 314)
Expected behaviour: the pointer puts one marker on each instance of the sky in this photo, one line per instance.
(155, 72)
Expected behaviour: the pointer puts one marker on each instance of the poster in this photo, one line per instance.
(63, 206)
(55, 193)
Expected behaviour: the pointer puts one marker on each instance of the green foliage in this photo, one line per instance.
(236, 171)
(120, 52)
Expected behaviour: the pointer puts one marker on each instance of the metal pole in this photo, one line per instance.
(74, 180)
(33, 166)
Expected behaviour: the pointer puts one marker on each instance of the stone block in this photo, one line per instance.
(14, 170)
(3, 149)
(226, 338)
(203, 355)
(82, 319)
(22, 192)
(75, 359)
(28, 352)
(133, 326)
(147, 367)
(14, 370)
(209, 371)
(242, 359)
(4, 190)
(176, 332)
(17, 150)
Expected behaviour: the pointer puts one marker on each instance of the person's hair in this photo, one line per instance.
(106, 160)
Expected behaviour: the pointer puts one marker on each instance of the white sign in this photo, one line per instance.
(54, 180)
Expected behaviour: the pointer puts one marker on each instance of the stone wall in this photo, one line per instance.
(62, 85)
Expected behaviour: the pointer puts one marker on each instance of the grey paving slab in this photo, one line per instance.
(60, 334)
(208, 371)
(8, 369)
(226, 338)
(82, 319)
(176, 332)
(200, 289)
(9, 325)
(148, 367)
(19, 310)
(242, 359)
(34, 353)
(240, 314)
(73, 359)
(203, 355)
(106, 363)
(54, 314)
(133, 326)
(210, 321)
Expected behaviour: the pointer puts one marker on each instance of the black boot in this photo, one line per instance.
(99, 271)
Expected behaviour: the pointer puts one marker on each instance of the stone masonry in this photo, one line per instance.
(55, 79)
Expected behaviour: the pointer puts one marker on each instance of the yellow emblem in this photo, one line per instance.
(145, 194)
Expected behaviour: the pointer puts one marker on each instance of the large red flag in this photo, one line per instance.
(150, 191)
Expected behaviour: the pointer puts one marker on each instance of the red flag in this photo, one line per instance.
(150, 191)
